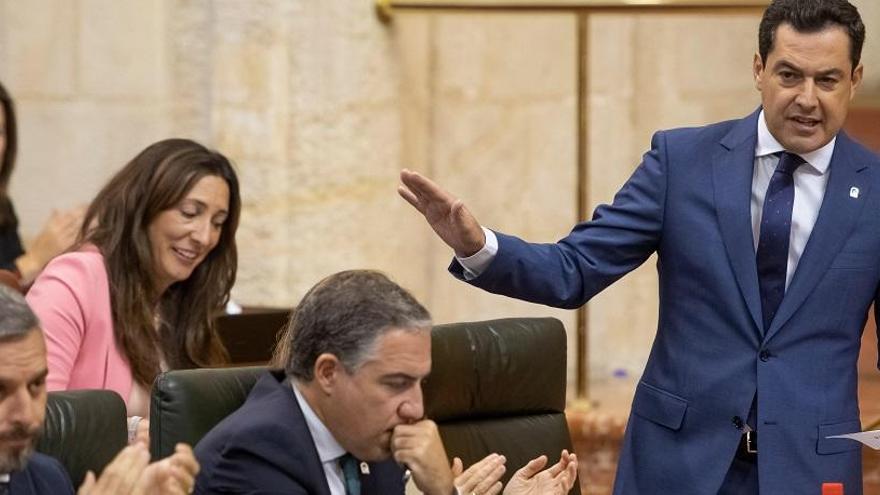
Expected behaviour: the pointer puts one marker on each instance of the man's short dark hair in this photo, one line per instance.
(343, 315)
(811, 16)
(16, 317)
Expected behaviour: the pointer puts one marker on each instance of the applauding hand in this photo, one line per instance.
(555, 480)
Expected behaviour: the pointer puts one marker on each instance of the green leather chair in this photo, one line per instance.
(499, 386)
(495, 386)
(84, 429)
(186, 404)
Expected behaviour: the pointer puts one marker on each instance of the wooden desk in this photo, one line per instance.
(250, 336)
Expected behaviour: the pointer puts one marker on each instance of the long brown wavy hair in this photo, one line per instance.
(7, 160)
(117, 223)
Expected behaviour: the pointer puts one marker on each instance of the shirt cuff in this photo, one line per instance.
(475, 264)
(133, 422)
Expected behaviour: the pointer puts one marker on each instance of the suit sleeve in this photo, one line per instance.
(58, 299)
(619, 238)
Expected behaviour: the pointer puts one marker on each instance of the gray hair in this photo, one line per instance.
(16, 317)
(343, 315)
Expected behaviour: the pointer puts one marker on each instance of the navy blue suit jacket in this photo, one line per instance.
(43, 475)
(688, 201)
(265, 448)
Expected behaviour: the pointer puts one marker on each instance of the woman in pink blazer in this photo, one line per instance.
(155, 259)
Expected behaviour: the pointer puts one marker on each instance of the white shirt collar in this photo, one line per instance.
(327, 446)
(4, 478)
(819, 159)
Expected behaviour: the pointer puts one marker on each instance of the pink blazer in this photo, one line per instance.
(71, 297)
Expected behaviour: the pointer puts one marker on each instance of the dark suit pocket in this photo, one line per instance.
(837, 445)
(659, 406)
(853, 260)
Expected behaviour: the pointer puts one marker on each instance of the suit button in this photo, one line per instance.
(764, 355)
(737, 422)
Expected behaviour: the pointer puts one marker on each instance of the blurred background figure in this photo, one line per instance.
(57, 234)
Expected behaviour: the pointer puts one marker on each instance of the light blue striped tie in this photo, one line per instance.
(350, 472)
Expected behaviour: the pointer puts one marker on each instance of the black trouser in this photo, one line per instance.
(742, 477)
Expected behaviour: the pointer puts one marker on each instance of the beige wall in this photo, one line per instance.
(320, 105)
(498, 127)
(870, 10)
(647, 72)
(90, 79)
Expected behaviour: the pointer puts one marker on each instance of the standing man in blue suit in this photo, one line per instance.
(768, 237)
(345, 416)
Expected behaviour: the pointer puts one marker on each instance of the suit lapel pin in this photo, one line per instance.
(365, 468)
(854, 192)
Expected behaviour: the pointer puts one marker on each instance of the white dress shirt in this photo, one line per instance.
(329, 450)
(810, 180)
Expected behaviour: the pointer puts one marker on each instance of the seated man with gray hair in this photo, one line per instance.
(345, 415)
(23, 396)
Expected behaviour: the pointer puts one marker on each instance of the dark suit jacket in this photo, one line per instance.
(265, 448)
(43, 475)
(688, 201)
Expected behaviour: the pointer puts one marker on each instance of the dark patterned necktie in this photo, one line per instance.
(4, 488)
(772, 254)
(350, 472)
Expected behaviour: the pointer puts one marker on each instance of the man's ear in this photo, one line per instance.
(856, 80)
(327, 369)
(758, 70)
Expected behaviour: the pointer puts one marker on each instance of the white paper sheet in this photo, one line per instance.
(869, 438)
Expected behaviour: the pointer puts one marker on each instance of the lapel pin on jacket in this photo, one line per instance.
(365, 468)
(854, 192)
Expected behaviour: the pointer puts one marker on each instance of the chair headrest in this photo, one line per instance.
(497, 368)
(186, 404)
(84, 429)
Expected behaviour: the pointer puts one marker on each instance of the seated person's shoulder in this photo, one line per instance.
(45, 474)
(707, 135)
(264, 413)
(76, 270)
(88, 259)
(261, 446)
